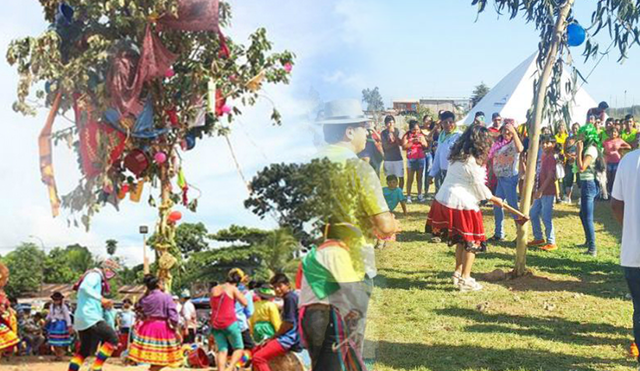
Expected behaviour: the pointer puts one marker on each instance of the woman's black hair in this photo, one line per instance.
(234, 278)
(413, 123)
(388, 119)
(475, 141)
(151, 282)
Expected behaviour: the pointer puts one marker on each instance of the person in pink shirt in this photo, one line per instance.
(613, 151)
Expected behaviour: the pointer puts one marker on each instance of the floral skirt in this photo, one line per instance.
(155, 343)
(457, 227)
(59, 334)
(8, 338)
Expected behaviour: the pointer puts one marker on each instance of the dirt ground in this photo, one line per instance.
(47, 364)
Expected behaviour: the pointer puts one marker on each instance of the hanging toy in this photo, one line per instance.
(160, 158)
(182, 183)
(174, 217)
(225, 109)
(169, 73)
(575, 34)
(172, 114)
(136, 193)
(288, 67)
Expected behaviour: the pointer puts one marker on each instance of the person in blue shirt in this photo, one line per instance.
(126, 317)
(288, 336)
(394, 195)
(89, 317)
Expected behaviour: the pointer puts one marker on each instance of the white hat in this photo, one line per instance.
(342, 111)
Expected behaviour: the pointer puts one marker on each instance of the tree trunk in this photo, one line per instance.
(534, 135)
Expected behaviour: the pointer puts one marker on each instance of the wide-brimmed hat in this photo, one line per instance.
(341, 112)
(111, 264)
(57, 296)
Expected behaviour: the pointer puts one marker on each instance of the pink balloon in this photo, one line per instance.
(288, 67)
(160, 157)
(226, 109)
(169, 73)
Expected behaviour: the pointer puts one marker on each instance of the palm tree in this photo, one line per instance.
(112, 246)
(278, 250)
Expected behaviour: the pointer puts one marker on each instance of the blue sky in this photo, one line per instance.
(411, 48)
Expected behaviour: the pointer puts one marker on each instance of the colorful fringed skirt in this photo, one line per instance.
(457, 226)
(59, 334)
(8, 338)
(155, 343)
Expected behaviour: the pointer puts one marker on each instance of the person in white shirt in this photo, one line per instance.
(625, 204)
(189, 317)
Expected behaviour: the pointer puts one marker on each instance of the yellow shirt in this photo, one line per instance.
(561, 138)
(265, 311)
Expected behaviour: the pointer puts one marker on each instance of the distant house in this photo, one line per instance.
(446, 104)
(45, 292)
(131, 292)
(404, 106)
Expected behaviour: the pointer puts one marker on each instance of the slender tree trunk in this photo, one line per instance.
(534, 135)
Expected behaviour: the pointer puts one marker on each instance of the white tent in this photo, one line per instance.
(513, 96)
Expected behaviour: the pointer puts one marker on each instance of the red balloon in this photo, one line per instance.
(175, 216)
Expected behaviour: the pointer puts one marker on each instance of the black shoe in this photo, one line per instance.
(497, 239)
(591, 252)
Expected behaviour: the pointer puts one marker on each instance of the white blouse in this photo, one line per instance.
(464, 186)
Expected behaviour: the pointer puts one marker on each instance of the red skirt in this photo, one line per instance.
(457, 226)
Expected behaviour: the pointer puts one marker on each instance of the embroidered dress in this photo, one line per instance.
(59, 321)
(455, 215)
(8, 325)
(154, 340)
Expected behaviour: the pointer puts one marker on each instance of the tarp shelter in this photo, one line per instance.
(512, 97)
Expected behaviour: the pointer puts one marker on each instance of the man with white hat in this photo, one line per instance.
(335, 278)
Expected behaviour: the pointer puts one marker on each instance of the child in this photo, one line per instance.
(455, 215)
(265, 321)
(58, 325)
(287, 338)
(544, 196)
(394, 195)
(613, 149)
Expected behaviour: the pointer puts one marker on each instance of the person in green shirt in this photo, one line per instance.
(629, 134)
(587, 155)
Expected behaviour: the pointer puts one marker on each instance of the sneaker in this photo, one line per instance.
(497, 239)
(420, 198)
(633, 350)
(536, 243)
(469, 284)
(591, 252)
(409, 201)
(456, 278)
(549, 247)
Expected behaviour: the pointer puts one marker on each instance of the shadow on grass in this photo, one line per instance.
(441, 357)
(404, 280)
(548, 328)
(413, 236)
(598, 278)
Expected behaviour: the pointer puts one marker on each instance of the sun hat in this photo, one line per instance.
(266, 293)
(342, 111)
(111, 264)
(57, 296)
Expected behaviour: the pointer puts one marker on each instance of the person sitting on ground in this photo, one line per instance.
(58, 325)
(31, 332)
(287, 338)
(156, 339)
(455, 215)
(544, 197)
(266, 320)
(224, 322)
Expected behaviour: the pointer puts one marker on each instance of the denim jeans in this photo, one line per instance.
(632, 276)
(588, 193)
(428, 162)
(543, 207)
(506, 189)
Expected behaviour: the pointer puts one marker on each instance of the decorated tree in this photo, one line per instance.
(144, 80)
(559, 30)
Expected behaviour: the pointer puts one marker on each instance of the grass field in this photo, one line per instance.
(571, 314)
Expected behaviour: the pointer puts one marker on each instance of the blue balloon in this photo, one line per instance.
(575, 34)
(191, 142)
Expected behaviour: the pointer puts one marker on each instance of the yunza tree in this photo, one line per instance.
(551, 18)
(143, 80)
